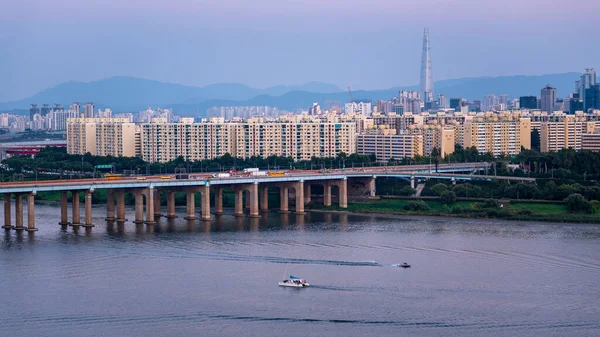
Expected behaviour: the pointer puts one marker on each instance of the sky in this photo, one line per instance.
(372, 44)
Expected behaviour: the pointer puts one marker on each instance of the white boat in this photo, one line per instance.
(294, 282)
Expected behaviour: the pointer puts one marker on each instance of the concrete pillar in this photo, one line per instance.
(327, 193)
(64, 211)
(18, 211)
(454, 181)
(191, 206)
(253, 200)
(171, 205)
(239, 202)
(88, 209)
(283, 199)
(157, 205)
(372, 187)
(219, 200)
(7, 211)
(264, 198)
(31, 212)
(150, 206)
(75, 214)
(307, 193)
(110, 206)
(300, 197)
(412, 182)
(343, 191)
(139, 208)
(121, 207)
(205, 202)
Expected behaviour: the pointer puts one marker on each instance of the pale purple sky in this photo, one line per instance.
(363, 44)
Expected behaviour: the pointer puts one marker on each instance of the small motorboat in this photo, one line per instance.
(294, 282)
(404, 265)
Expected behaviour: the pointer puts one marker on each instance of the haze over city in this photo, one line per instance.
(365, 45)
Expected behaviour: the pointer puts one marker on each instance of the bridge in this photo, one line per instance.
(147, 192)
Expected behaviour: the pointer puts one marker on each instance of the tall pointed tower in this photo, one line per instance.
(426, 76)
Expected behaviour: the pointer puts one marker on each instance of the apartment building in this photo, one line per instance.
(498, 135)
(301, 140)
(101, 136)
(564, 133)
(434, 136)
(385, 144)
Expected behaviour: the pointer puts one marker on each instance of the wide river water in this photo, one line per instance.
(468, 277)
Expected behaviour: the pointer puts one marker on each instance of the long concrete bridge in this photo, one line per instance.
(147, 192)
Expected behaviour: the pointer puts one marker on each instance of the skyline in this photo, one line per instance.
(272, 42)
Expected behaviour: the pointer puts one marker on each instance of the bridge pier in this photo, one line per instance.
(343, 193)
(283, 199)
(253, 192)
(264, 198)
(218, 200)
(205, 202)
(88, 209)
(372, 187)
(150, 206)
(7, 219)
(139, 207)
(18, 212)
(300, 197)
(31, 212)
(327, 193)
(121, 207)
(75, 214)
(239, 201)
(110, 206)
(412, 182)
(64, 210)
(191, 205)
(171, 205)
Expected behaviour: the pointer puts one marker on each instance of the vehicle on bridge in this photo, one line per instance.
(112, 176)
(275, 174)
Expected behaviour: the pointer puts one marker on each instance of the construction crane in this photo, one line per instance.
(351, 99)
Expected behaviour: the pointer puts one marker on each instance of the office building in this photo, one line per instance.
(588, 79)
(528, 102)
(547, 98)
(592, 98)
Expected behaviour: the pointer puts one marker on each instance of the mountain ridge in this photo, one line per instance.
(124, 93)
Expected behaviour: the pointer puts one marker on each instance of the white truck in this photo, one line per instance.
(252, 169)
(221, 175)
(258, 173)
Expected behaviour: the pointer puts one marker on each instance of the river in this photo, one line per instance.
(180, 278)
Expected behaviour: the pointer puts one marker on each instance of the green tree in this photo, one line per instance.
(416, 205)
(437, 189)
(577, 203)
(448, 197)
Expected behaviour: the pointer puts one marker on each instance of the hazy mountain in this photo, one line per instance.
(133, 94)
(128, 93)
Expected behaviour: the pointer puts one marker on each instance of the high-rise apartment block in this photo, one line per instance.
(101, 136)
(88, 110)
(564, 133)
(498, 134)
(385, 144)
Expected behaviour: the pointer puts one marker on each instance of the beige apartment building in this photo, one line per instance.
(434, 136)
(101, 136)
(498, 134)
(163, 142)
(564, 133)
(385, 144)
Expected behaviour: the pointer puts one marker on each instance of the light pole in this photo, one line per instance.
(81, 172)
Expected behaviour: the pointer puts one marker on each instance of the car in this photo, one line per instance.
(140, 178)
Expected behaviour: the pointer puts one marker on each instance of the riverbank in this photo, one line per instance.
(514, 210)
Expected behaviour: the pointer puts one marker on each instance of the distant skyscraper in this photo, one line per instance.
(443, 101)
(588, 79)
(548, 98)
(426, 76)
(45, 110)
(33, 110)
(528, 102)
(592, 97)
(75, 108)
(503, 99)
(88, 110)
